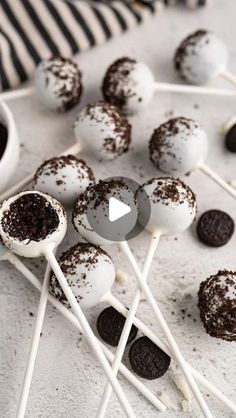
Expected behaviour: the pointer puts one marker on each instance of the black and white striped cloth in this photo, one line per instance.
(31, 30)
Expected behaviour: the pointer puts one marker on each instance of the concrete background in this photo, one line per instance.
(68, 381)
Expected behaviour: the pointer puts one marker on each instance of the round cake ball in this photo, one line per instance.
(200, 57)
(89, 272)
(64, 178)
(58, 83)
(178, 146)
(104, 129)
(173, 205)
(129, 85)
(217, 304)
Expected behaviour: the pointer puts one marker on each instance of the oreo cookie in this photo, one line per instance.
(110, 324)
(230, 139)
(147, 360)
(215, 228)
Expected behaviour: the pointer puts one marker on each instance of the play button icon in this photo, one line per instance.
(117, 209)
(112, 209)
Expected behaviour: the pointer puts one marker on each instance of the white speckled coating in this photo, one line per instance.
(98, 122)
(50, 87)
(204, 57)
(182, 144)
(65, 182)
(137, 87)
(32, 248)
(167, 216)
(89, 281)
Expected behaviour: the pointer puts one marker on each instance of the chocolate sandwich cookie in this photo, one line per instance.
(230, 139)
(110, 324)
(147, 360)
(215, 228)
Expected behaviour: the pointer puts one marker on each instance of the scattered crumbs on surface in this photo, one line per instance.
(41, 334)
(196, 106)
(31, 314)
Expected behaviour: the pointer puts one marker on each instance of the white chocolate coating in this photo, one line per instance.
(90, 273)
(129, 85)
(64, 178)
(58, 83)
(31, 248)
(173, 205)
(103, 129)
(178, 146)
(201, 57)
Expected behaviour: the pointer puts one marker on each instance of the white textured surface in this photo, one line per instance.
(68, 381)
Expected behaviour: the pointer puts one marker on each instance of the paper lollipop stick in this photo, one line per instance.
(189, 147)
(20, 266)
(48, 218)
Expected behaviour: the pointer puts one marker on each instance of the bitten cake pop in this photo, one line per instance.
(90, 273)
(103, 129)
(58, 83)
(64, 178)
(217, 304)
(200, 57)
(180, 146)
(33, 224)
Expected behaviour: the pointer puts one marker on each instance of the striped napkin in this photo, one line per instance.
(31, 30)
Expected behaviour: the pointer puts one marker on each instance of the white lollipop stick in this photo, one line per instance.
(34, 346)
(217, 179)
(73, 150)
(189, 89)
(17, 263)
(127, 328)
(231, 78)
(174, 347)
(19, 93)
(88, 331)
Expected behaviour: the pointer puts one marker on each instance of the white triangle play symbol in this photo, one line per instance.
(117, 209)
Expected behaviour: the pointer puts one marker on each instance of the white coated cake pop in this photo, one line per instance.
(64, 178)
(201, 57)
(173, 205)
(58, 83)
(104, 129)
(29, 221)
(178, 146)
(129, 85)
(90, 273)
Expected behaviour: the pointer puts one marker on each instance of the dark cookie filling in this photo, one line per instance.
(230, 139)
(84, 254)
(30, 217)
(185, 49)
(147, 359)
(217, 305)
(71, 90)
(160, 144)
(119, 144)
(3, 139)
(54, 165)
(110, 324)
(116, 76)
(215, 228)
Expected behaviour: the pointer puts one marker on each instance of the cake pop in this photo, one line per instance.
(82, 225)
(201, 57)
(57, 84)
(180, 146)
(104, 129)
(217, 305)
(6, 255)
(33, 224)
(130, 85)
(64, 178)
